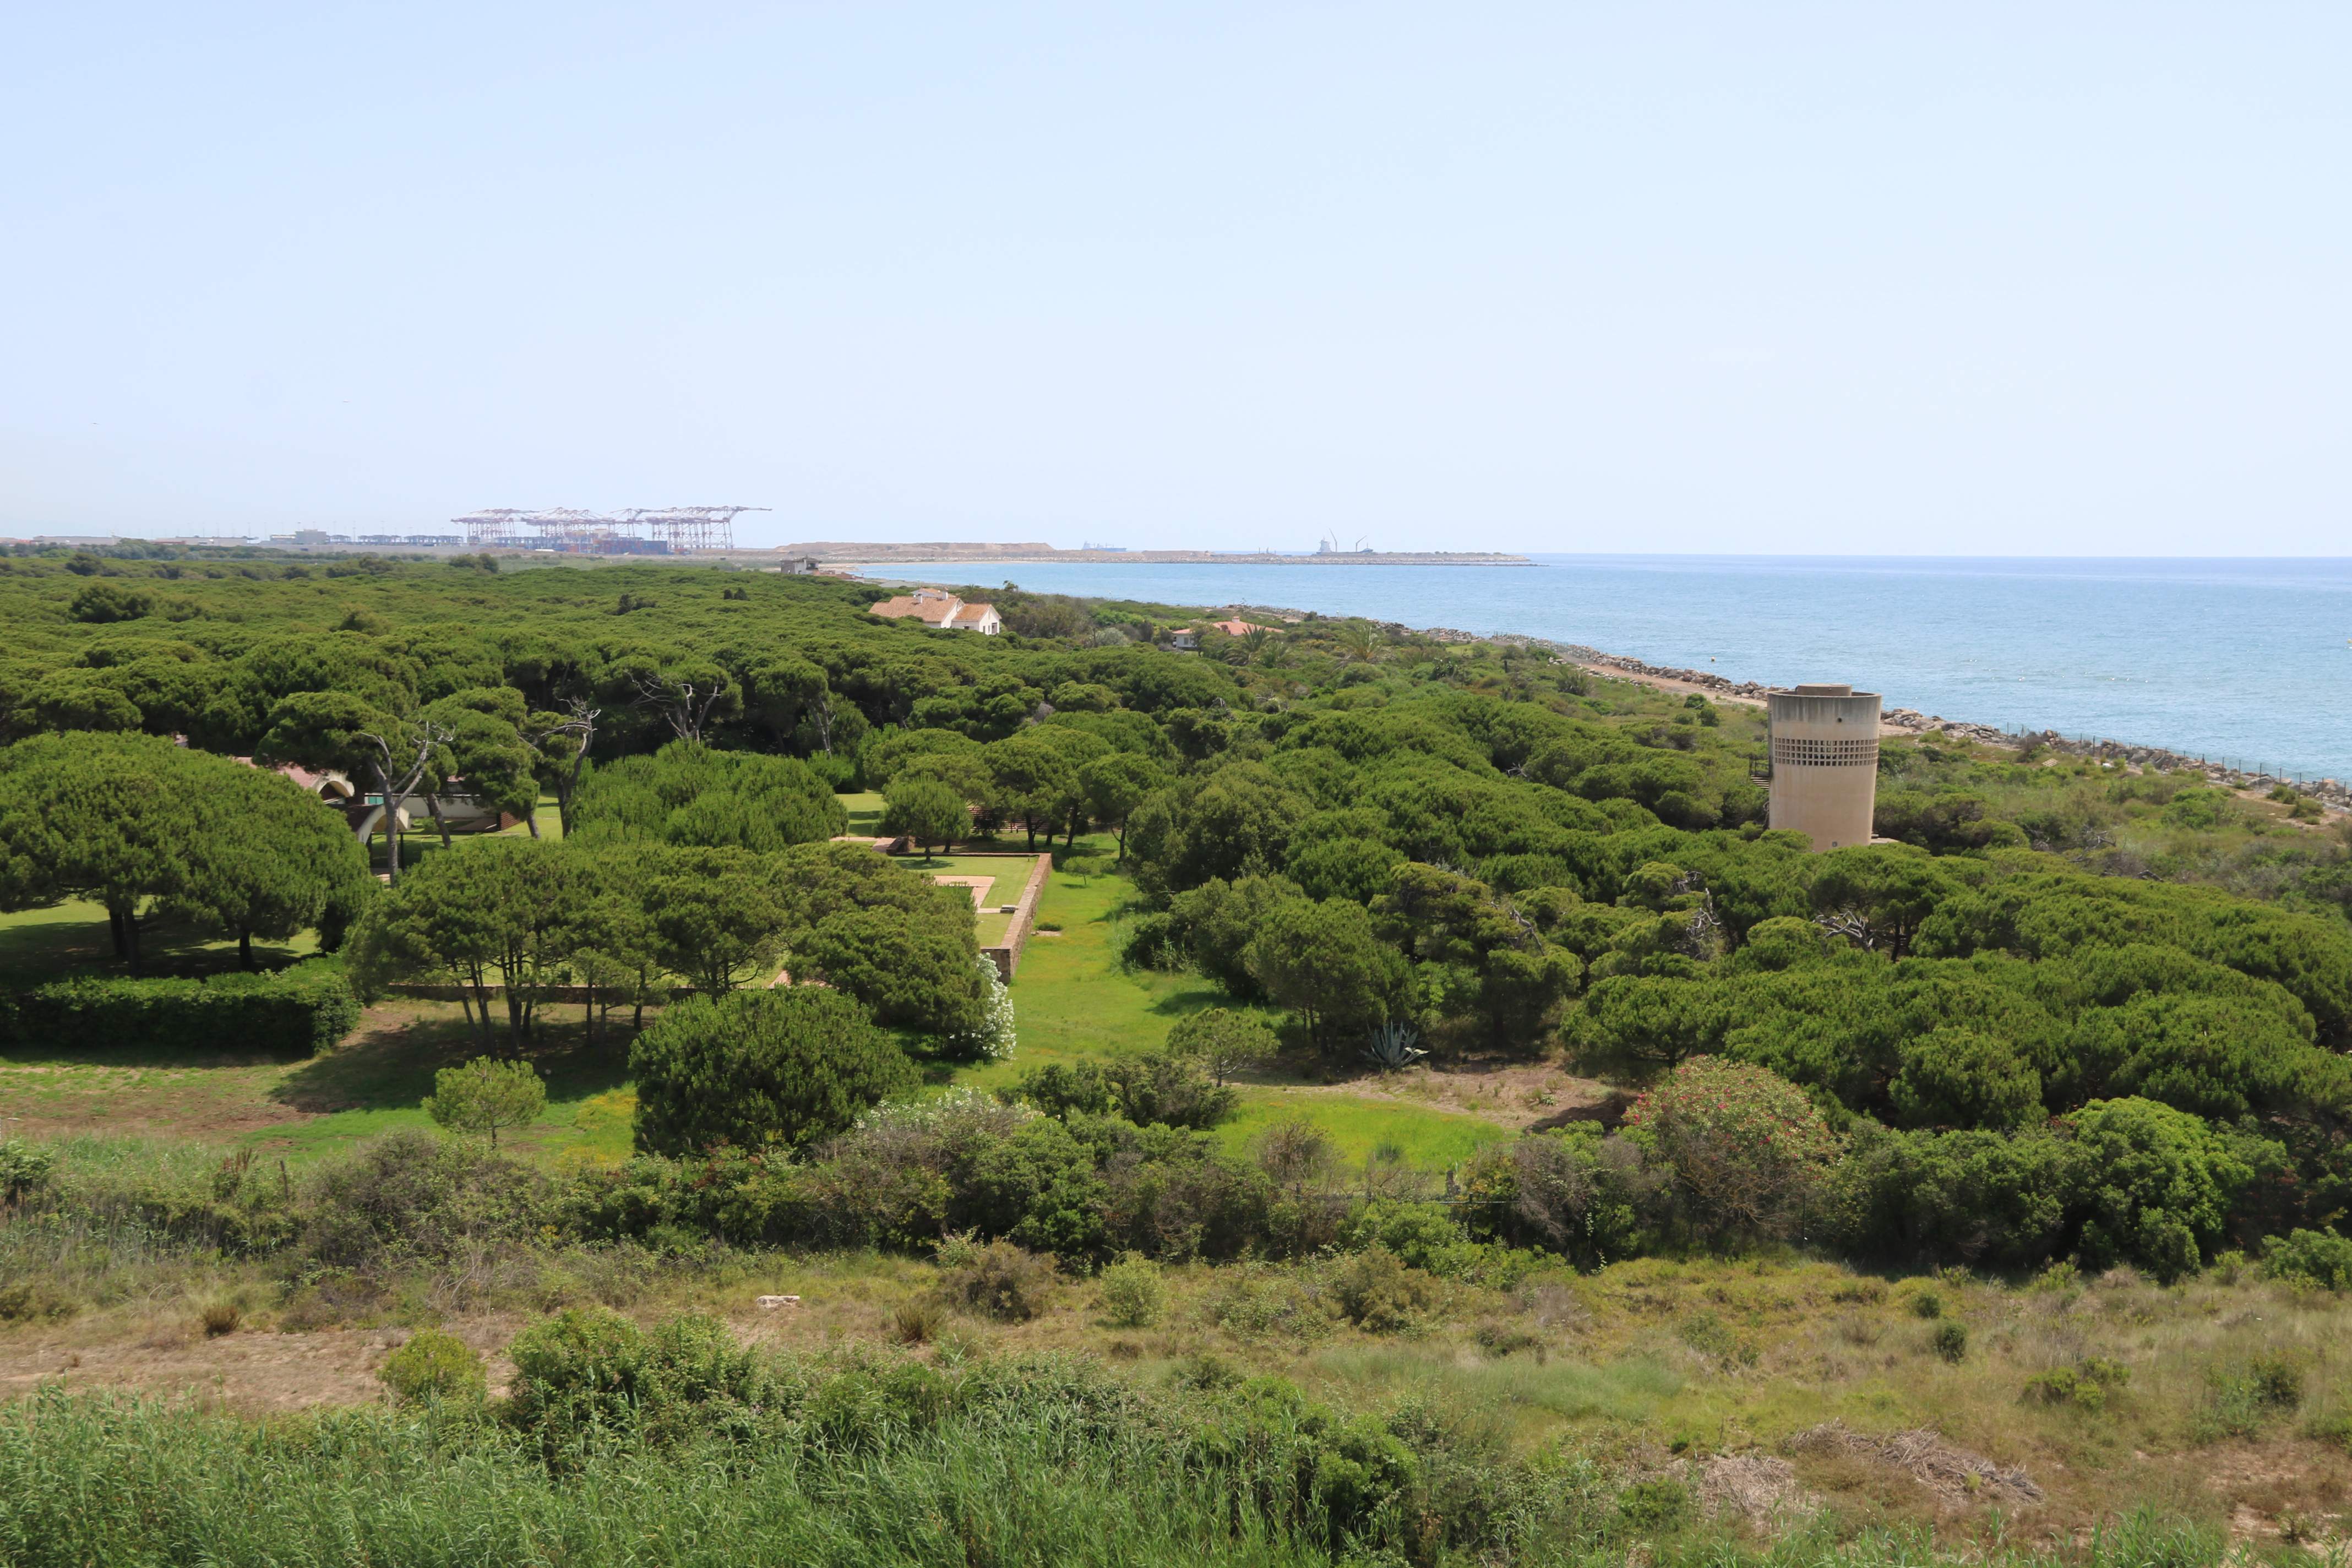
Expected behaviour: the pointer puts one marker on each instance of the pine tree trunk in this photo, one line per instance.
(390, 827)
(114, 928)
(245, 950)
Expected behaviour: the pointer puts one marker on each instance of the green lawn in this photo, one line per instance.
(1007, 874)
(1075, 1001)
(1073, 998)
(1361, 1127)
(35, 944)
(374, 1083)
(864, 810)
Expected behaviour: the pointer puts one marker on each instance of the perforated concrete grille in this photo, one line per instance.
(1798, 752)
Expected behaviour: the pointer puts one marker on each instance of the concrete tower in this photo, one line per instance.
(1824, 762)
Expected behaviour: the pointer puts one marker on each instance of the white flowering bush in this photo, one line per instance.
(993, 1040)
(950, 1108)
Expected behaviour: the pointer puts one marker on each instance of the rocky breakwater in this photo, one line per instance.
(2331, 793)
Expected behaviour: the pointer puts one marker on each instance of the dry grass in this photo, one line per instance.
(1648, 1362)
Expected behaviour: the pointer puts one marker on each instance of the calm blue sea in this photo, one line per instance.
(2244, 660)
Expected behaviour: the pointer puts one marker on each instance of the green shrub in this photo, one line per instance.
(1257, 1300)
(1962, 1078)
(1979, 1197)
(1063, 1088)
(300, 1010)
(2087, 1384)
(915, 1322)
(2276, 1381)
(1204, 1371)
(2318, 1259)
(1713, 1338)
(33, 1300)
(1160, 1088)
(1927, 1304)
(580, 1370)
(2159, 1183)
(589, 1371)
(2333, 1428)
(1222, 1041)
(1950, 1340)
(1001, 1281)
(786, 1067)
(25, 1169)
(1656, 1506)
(1503, 1339)
(1422, 1235)
(1378, 1293)
(1135, 1293)
(1593, 1199)
(866, 1407)
(412, 1195)
(687, 794)
(434, 1365)
(485, 1094)
(2241, 1400)
(1746, 1147)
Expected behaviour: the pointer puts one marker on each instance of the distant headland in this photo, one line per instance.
(835, 550)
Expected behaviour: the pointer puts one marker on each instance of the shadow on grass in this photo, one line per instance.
(391, 1067)
(39, 944)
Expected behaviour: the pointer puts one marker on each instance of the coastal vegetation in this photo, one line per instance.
(1434, 1118)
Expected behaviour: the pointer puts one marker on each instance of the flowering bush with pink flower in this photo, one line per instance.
(1746, 1147)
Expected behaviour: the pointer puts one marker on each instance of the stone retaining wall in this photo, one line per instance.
(1006, 955)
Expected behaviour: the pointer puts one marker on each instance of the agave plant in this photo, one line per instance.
(1393, 1045)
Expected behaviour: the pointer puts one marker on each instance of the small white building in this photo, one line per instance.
(937, 607)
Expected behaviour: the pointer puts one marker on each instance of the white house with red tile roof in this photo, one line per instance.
(1236, 628)
(937, 607)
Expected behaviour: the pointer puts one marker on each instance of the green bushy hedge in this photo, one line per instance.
(293, 1012)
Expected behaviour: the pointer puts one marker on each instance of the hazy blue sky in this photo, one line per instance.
(1961, 279)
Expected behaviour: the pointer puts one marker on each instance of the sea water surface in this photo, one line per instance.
(2242, 661)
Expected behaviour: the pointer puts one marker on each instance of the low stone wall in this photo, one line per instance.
(1006, 955)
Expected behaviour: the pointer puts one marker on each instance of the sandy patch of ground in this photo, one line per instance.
(256, 1373)
(1668, 683)
(1517, 1095)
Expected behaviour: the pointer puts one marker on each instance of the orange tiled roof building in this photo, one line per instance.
(937, 607)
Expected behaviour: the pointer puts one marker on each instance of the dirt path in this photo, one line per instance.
(1667, 683)
(255, 1372)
